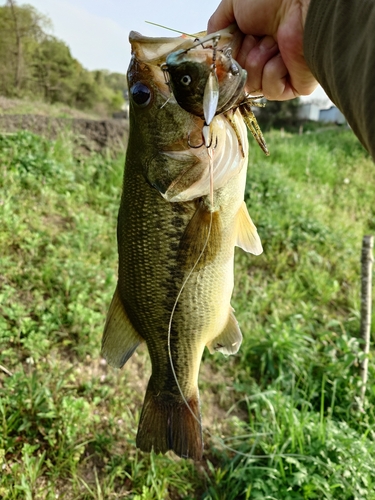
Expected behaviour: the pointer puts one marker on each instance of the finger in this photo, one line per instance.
(256, 59)
(258, 17)
(300, 77)
(275, 83)
(222, 17)
(248, 44)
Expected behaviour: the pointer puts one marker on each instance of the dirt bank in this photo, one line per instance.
(89, 135)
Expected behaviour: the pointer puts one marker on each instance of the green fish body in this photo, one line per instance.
(176, 248)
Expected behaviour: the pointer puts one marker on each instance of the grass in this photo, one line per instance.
(287, 403)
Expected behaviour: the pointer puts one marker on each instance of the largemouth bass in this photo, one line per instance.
(181, 215)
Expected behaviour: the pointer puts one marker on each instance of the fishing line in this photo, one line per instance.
(210, 152)
(170, 29)
(166, 102)
(181, 290)
(212, 436)
(225, 446)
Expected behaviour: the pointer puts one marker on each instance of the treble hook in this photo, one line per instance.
(201, 41)
(215, 143)
(203, 143)
(164, 68)
(192, 146)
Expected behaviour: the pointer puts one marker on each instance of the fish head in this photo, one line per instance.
(158, 125)
(188, 72)
(150, 99)
(165, 140)
(205, 78)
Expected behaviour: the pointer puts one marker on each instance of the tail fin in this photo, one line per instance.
(168, 424)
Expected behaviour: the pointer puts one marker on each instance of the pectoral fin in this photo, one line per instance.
(229, 340)
(247, 234)
(202, 238)
(171, 172)
(120, 339)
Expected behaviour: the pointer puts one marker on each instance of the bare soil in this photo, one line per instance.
(88, 135)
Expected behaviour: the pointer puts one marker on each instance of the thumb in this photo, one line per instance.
(222, 17)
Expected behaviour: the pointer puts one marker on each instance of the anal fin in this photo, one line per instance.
(247, 234)
(120, 339)
(229, 340)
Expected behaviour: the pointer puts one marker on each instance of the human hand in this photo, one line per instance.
(272, 47)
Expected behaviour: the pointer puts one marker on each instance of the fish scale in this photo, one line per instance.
(163, 274)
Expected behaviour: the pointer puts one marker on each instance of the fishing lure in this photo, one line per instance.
(207, 81)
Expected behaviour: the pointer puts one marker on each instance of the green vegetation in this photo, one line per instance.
(26, 106)
(277, 114)
(286, 402)
(35, 63)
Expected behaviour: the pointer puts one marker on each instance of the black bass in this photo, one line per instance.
(176, 242)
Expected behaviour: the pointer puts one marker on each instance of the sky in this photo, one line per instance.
(97, 31)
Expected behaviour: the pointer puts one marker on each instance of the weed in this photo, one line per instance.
(68, 422)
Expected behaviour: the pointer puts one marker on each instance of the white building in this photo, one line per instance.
(309, 111)
(332, 115)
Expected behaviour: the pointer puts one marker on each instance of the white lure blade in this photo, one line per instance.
(210, 97)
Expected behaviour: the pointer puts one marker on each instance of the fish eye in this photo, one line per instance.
(141, 94)
(186, 80)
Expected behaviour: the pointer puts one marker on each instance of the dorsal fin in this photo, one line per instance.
(229, 340)
(247, 234)
(120, 339)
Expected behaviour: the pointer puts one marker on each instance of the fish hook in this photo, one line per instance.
(206, 135)
(192, 146)
(215, 143)
(164, 68)
(203, 143)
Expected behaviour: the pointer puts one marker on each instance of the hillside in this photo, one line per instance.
(25, 106)
(37, 66)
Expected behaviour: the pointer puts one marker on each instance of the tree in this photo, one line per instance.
(21, 30)
(112, 88)
(54, 70)
(279, 114)
(33, 62)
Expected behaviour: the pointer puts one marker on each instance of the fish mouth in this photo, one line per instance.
(154, 50)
